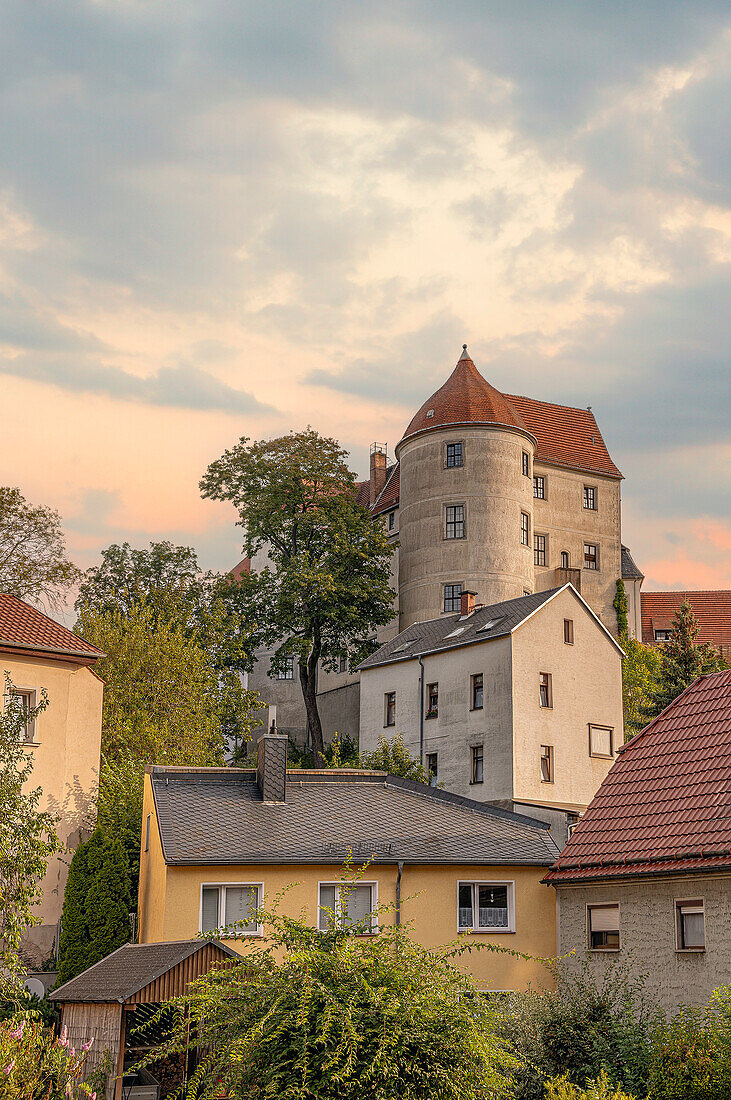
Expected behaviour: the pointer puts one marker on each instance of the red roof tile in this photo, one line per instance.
(666, 803)
(388, 498)
(566, 436)
(23, 627)
(711, 609)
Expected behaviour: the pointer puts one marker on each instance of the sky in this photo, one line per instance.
(222, 218)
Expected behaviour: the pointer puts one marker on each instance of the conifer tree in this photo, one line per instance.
(682, 661)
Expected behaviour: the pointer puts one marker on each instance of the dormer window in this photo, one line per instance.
(662, 635)
(454, 455)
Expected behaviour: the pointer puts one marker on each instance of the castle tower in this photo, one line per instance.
(466, 499)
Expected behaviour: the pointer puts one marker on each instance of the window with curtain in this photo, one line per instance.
(226, 906)
(486, 907)
(348, 906)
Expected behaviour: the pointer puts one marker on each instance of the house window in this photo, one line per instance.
(539, 549)
(690, 925)
(454, 521)
(392, 521)
(568, 631)
(453, 597)
(600, 741)
(525, 529)
(603, 925)
(432, 766)
(348, 906)
(477, 691)
(565, 560)
(477, 764)
(546, 763)
(454, 455)
(343, 662)
(539, 488)
(286, 672)
(24, 703)
(590, 497)
(231, 907)
(147, 833)
(389, 717)
(591, 556)
(486, 907)
(662, 635)
(526, 464)
(545, 689)
(432, 696)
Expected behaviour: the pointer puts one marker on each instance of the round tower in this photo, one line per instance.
(466, 499)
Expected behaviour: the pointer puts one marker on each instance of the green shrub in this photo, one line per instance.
(601, 1089)
(691, 1058)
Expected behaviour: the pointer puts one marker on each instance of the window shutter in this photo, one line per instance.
(604, 918)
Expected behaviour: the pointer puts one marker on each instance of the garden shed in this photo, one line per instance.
(114, 996)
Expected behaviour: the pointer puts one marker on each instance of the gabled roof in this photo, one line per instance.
(665, 806)
(566, 436)
(210, 816)
(24, 629)
(711, 609)
(630, 569)
(130, 968)
(448, 632)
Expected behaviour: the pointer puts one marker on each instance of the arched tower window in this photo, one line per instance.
(565, 559)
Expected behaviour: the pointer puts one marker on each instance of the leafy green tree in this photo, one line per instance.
(33, 561)
(682, 661)
(28, 837)
(332, 1015)
(326, 587)
(393, 757)
(640, 672)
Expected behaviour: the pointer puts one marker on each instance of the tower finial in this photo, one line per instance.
(464, 347)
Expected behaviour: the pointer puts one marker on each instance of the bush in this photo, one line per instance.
(34, 1064)
(601, 1089)
(581, 1029)
(691, 1058)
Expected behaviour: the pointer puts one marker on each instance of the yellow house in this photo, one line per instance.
(218, 842)
(39, 654)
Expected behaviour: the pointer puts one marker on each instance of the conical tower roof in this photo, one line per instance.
(465, 398)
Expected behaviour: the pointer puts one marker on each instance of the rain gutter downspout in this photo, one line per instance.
(398, 892)
(421, 709)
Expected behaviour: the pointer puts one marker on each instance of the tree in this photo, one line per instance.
(682, 661)
(33, 562)
(166, 578)
(640, 672)
(326, 589)
(394, 758)
(28, 837)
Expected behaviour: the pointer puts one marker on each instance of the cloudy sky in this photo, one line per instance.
(223, 218)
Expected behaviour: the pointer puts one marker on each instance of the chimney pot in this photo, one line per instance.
(378, 470)
(271, 767)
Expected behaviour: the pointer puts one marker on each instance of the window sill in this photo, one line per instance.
(434, 714)
(486, 931)
(234, 935)
(476, 708)
(476, 782)
(605, 950)
(690, 950)
(600, 756)
(548, 782)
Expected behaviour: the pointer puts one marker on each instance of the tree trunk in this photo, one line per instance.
(308, 683)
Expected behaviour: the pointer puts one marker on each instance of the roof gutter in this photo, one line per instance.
(89, 654)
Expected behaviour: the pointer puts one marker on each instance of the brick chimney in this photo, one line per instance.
(271, 766)
(467, 603)
(378, 470)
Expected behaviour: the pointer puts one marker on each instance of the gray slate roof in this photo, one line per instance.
(432, 636)
(216, 816)
(629, 568)
(129, 969)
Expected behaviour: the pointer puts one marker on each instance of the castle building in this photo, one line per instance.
(490, 493)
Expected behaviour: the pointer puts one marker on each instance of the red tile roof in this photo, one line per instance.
(25, 629)
(665, 805)
(388, 498)
(566, 436)
(711, 609)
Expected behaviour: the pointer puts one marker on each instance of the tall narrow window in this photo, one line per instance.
(524, 528)
(477, 764)
(568, 631)
(603, 921)
(453, 597)
(539, 488)
(690, 925)
(343, 662)
(432, 697)
(526, 464)
(25, 702)
(453, 455)
(565, 560)
(590, 497)
(591, 556)
(477, 691)
(546, 763)
(454, 528)
(539, 549)
(391, 521)
(545, 689)
(432, 767)
(389, 717)
(147, 833)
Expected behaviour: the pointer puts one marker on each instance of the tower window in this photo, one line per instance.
(454, 528)
(591, 556)
(476, 753)
(453, 597)
(539, 488)
(525, 529)
(526, 464)
(565, 560)
(539, 549)
(590, 498)
(454, 456)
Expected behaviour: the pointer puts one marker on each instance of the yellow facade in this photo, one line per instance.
(65, 766)
(170, 904)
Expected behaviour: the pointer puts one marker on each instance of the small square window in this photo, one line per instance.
(392, 521)
(526, 464)
(539, 488)
(453, 597)
(233, 908)
(539, 549)
(486, 907)
(432, 766)
(568, 631)
(601, 742)
(477, 773)
(524, 529)
(662, 635)
(591, 556)
(546, 763)
(453, 456)
(590, 497)
(286, 672)
(454, 516)
(545, 689)
(477, 691)
(346, 905)
(432, 700)
(389, 717)
(603, 927)
(690, 925)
